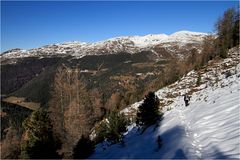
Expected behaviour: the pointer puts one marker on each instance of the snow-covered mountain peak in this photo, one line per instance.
(186, 36)
(130, 44)
(155, 36)
(185, 32)
(73, 43)
(64, 44)
(150, 39)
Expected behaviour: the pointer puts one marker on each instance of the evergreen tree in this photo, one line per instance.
(38, 139)
(117, 126)
(112, 128)
(83, 149)
(149, 112)
(101, 129)
(198, 80)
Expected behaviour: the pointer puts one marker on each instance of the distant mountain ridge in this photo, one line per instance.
(130, 44)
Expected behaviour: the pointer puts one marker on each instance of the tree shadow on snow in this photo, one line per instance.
(172, 140)
(218, 154)
(145, 146)
(173, 143)
(170, 149)
(179, 154)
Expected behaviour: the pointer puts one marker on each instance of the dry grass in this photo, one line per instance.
(193, 90)
(21, 102)
(169, 102)
(143, 65)
(169, 95)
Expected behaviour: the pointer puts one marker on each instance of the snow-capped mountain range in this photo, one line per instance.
(130, 44)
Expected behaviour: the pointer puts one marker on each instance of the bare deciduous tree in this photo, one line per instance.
(70, 108)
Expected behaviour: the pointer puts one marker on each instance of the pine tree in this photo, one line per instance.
(101, 129)
(117, 126)
(198, 80)
(149, 112)
(38, 140)
(112, 128)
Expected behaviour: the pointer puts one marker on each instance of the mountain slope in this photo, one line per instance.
(144, 56)
(207, 128)
(130, 44)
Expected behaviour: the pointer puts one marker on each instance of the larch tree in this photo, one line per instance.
(227, 28)
(71, 108)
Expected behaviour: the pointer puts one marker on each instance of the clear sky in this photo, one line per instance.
(33, 24)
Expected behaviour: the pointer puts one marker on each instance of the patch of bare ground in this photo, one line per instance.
(22, 102)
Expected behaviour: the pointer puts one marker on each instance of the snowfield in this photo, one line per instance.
(209, 128)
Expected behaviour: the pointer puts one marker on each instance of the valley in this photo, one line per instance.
(138, 85)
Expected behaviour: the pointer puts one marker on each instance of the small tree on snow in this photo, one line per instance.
(198, 80)
(149, 112)
(117, 126)
(113, 127)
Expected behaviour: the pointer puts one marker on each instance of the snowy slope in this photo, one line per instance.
(130, 44)
(208, 128)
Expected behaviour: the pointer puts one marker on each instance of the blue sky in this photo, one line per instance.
(33, 24)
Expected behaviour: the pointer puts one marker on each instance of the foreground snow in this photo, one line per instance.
(208, 128)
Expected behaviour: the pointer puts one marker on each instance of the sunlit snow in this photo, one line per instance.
(208, 128)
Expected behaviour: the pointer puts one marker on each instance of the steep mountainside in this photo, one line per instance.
(13, 76)
(111, 66)
(207, 128)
